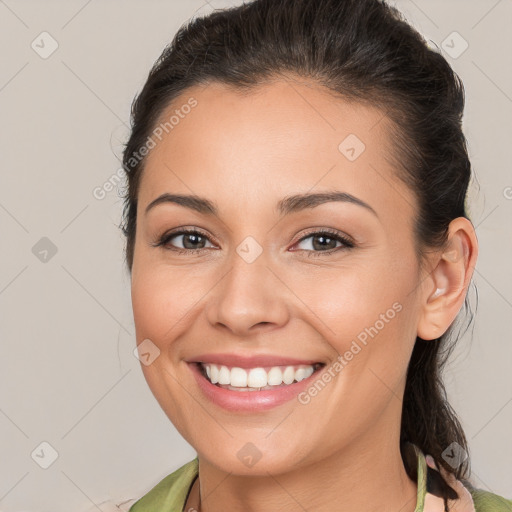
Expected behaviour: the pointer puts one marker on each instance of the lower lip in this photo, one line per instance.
(250, 401)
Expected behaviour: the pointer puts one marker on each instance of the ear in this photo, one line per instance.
(445, 288)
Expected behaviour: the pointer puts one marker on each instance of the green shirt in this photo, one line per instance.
(171, 493)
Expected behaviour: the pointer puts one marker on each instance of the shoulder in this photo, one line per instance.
(486, 501)
(470, 498)
(170, 492)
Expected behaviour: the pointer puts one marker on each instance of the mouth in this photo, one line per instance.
(261, 378)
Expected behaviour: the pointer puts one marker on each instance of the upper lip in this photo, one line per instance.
(253, 361)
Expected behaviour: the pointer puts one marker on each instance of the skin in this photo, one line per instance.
(245, 153)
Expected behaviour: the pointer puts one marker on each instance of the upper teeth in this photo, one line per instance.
(256, 377)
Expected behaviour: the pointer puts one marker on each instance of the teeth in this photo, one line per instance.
(256, 378)
(275, 377)
(224, 375)
(238, 378)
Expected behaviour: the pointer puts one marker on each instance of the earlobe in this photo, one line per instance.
(447, 284)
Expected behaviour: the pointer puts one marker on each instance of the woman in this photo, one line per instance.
(299, 251)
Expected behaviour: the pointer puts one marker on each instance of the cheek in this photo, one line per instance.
(156, 308)
(147, 302)
(165, 299)
(365, 310)
(350, 298)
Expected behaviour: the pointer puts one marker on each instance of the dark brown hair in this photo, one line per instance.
(365, 51)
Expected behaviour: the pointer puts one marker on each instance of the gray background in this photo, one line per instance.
(68, 376)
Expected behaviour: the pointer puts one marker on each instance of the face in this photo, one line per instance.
(329, 282)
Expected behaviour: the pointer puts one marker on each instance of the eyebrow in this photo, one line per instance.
(286, 206)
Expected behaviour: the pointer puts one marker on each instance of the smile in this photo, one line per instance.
(256, 379)
(252, 390)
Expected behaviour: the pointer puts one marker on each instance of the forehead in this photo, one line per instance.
(248, 149)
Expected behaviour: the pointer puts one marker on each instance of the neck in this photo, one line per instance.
(359, 477)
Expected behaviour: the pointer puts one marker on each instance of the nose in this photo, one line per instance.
(248, 299)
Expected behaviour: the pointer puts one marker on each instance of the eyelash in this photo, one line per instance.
(332, 234)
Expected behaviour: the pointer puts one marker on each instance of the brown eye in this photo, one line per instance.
(187, 241)
(321, 242)
(192, 240)
(324, 242)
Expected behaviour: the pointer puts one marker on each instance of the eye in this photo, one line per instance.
(324, 241)
(191, 241)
